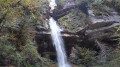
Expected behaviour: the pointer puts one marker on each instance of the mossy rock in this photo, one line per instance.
(74, 21)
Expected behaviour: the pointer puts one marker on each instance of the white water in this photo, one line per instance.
(52, 4)
(58, 43)
(57, 39)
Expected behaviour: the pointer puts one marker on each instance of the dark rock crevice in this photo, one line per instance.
(80, 38)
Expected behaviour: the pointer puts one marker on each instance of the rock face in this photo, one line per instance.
(86, 34)
(93, 36)
(44, 37)
(69, 5)
(84, 38)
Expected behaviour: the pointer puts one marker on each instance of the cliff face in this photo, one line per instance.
(90, 40)
(93, 39)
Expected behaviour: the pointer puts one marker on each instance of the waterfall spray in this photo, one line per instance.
(57, 39)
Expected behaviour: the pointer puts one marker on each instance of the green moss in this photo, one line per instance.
(74, 21)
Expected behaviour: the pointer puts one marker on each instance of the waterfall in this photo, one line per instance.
(57, 39)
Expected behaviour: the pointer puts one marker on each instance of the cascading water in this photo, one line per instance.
(57, 39)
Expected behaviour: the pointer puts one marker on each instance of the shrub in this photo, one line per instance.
(98, 2)
(28, 57)
(117, 5)
(6, 53)
(84, 56)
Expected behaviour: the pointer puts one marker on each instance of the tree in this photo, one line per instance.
(17, 19)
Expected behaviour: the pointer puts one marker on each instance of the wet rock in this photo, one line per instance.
(84, 38)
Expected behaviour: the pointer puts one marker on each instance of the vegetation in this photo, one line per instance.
(28, 57)
(17, 46)
(20, 18)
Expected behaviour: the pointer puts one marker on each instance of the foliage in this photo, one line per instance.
(6, 53)
(115, 59)
(84, 56)
(114, 56)
(18, 22)
(29, 57)
(98, 2)
(117, 5)
(101, 7)
(74, 21)
(19, 18)
(17, 46)
(117, 33)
